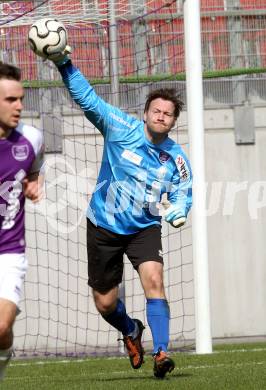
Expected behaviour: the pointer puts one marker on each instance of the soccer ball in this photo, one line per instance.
(47, 37)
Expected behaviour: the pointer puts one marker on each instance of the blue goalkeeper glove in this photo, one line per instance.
(175, 216)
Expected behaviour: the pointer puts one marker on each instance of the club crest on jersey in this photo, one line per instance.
(182, 168)
(20, 152)
(163, 157)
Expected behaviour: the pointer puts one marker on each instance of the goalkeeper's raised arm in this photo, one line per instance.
(140, 164)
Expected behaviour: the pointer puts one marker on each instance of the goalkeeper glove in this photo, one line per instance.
(60, 58)
(175, 216)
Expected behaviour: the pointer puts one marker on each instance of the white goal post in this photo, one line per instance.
(196, 136)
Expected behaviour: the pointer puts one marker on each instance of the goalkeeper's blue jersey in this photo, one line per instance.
(134, 172)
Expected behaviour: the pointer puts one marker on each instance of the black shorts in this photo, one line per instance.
(106, 250)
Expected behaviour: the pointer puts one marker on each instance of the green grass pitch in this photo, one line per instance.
(232, 367)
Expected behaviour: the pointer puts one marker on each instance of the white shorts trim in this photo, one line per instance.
(13, 268)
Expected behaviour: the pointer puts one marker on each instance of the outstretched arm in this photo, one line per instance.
(101, 114)
(95, 108)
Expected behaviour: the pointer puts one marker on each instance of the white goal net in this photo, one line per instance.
(58, 313)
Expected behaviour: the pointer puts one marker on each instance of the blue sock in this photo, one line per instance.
(158, 316)
(120, 320)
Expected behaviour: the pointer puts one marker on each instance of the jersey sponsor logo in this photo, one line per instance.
(120, 120)
(20, 152)
(163, 157)
(182, 168)
(131, 156)
(10, 192)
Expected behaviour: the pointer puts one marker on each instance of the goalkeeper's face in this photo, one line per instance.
(11, 96)
(159, 119)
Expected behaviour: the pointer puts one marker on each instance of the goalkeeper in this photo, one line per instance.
(140, 163)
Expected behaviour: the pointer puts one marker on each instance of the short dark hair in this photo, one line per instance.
(165, 94)
(9, 72)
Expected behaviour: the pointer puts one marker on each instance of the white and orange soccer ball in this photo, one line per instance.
(47, 38)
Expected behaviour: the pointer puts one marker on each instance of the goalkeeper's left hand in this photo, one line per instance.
(175, 216)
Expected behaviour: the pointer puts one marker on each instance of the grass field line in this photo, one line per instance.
(241, 350)
(75, 360)
(189, 367)
(221, 365)
(143, 373)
